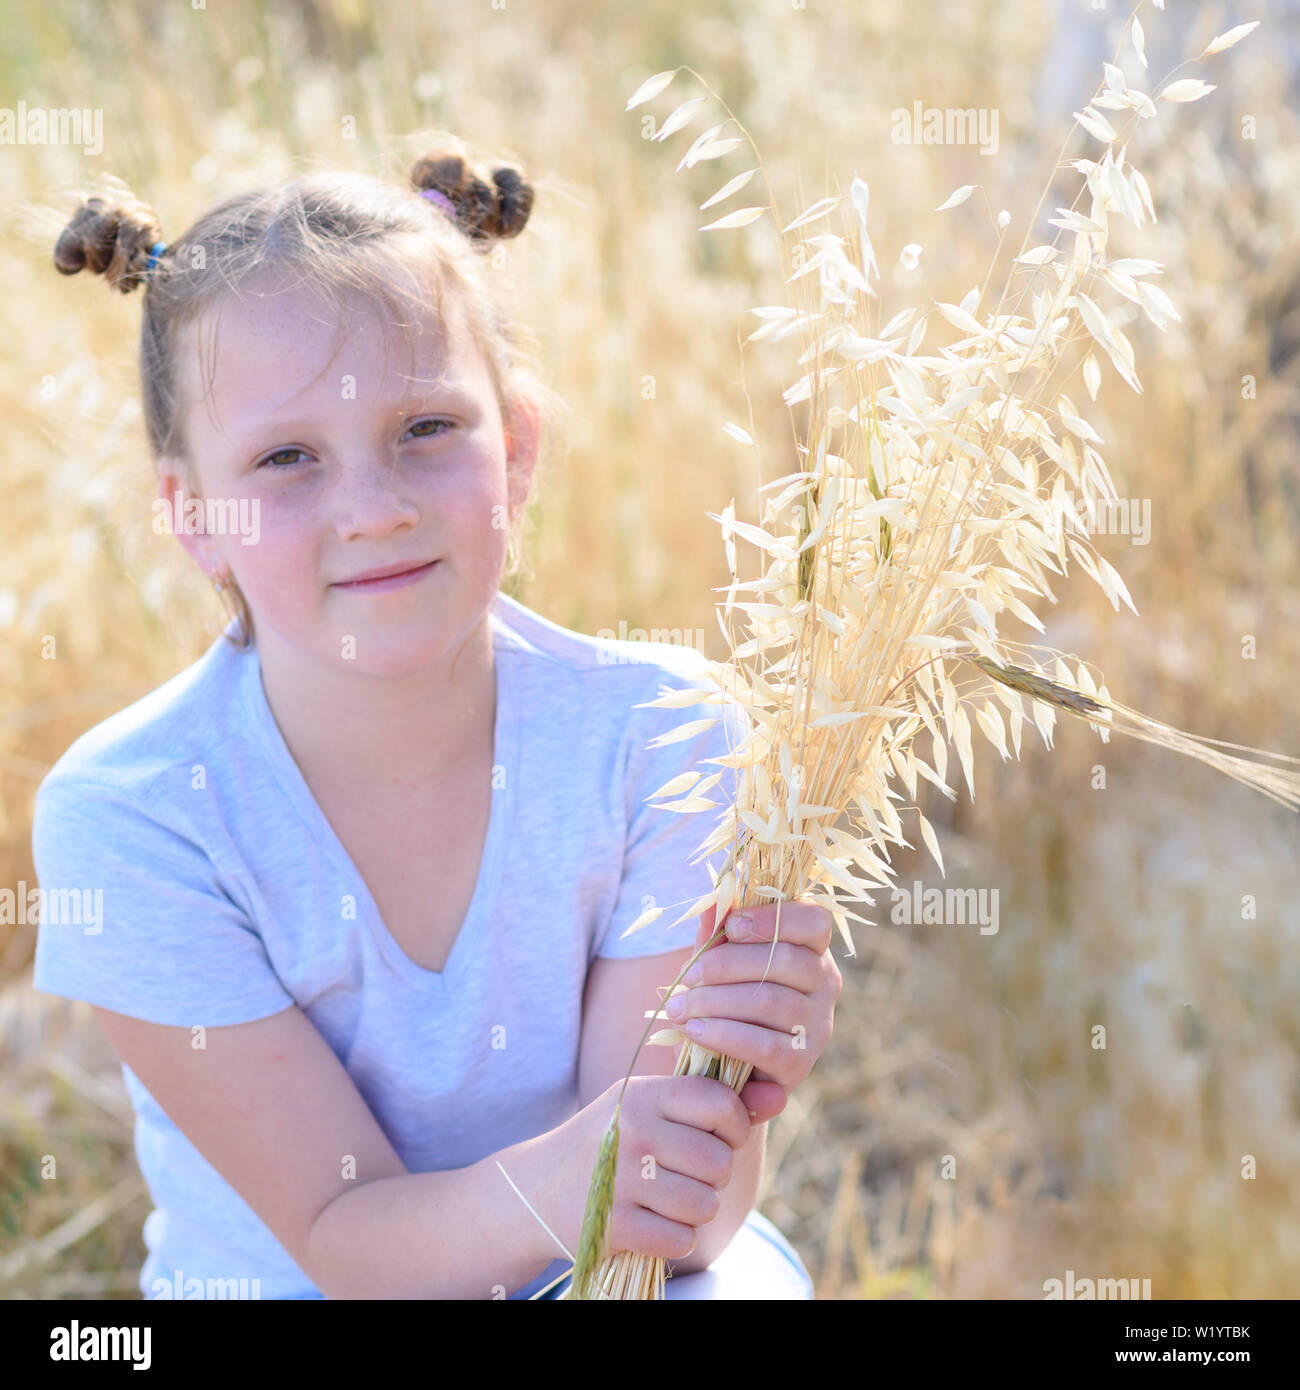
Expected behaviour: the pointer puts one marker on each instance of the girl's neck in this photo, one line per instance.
(358, 734)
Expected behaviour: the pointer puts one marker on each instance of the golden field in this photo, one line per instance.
(961, 1137)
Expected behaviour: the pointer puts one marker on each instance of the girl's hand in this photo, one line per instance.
(690, 1126)
(771, 1007)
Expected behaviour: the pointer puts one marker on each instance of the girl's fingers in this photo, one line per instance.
(674, 1196)
(647, 1233)
(778, 1055)
(771, 1005)
(766, 1098)
(801, 924)
(727, 963)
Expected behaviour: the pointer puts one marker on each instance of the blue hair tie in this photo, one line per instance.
(155, 251)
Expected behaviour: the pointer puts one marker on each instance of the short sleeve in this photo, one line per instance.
(133, 917)
(660, 844)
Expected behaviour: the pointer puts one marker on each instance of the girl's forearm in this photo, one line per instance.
(738, 1199)
(456, 1234)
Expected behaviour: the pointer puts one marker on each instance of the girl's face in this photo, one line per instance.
(336, 463)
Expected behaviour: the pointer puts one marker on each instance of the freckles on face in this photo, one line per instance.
(357, 454)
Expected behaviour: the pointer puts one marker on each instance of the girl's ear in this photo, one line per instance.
(522, 438)
(180, 511)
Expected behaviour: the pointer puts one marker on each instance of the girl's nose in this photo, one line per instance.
(370, 500)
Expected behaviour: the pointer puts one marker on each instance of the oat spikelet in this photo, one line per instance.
(595, 1220)
(1278, 784)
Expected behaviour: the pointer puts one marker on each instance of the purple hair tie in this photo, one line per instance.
(444, 202)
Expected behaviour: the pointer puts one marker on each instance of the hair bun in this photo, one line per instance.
(112, 239)
(484, 211)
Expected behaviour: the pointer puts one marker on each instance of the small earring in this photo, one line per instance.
(217, 583)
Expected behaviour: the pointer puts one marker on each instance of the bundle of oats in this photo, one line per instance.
(940, 487)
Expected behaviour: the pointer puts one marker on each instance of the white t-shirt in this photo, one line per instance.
(226, 897)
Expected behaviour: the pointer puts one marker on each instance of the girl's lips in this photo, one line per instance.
(392, 581)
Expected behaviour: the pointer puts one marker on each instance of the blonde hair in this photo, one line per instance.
(337, 234)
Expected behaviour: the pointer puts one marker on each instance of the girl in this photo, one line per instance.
(367, 864)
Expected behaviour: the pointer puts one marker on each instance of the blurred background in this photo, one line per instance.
(961, 1137)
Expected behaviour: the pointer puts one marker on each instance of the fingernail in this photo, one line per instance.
(694, 975)
(673, 1008)
(695, 1027)
(738, 927)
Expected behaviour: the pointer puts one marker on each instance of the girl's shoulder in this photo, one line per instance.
(143, 906)
(592, 696)
(181, 721)
(609, 668)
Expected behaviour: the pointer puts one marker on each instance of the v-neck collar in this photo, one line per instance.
(288, 775)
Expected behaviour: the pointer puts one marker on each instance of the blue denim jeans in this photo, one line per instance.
(758, 1264)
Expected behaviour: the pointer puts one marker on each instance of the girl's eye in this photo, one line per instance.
(435, 421)
(270, 459)
(278, 459)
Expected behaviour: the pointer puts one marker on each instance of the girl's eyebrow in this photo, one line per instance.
(444, 394)
(269, 426)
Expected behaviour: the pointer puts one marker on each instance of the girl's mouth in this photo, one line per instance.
(389, 581)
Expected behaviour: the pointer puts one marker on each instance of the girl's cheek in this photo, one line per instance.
(471, 503)
(277, 544)
(279, 554)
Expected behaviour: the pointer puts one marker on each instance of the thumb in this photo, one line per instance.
(766, 1098)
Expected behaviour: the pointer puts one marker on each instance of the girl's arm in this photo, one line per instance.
(272, 1108)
